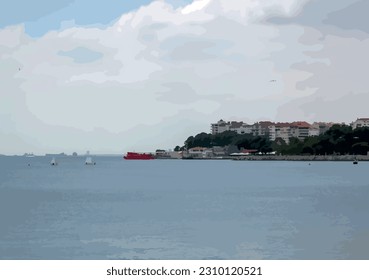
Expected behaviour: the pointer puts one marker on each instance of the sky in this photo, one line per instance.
(115, 76)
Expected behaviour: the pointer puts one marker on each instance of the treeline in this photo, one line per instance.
(339, 139)
(227, 138)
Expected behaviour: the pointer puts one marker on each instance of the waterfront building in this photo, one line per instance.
(314, 131)
(300, 130)
(286, 130)
(235, 126)
(238, 127)
(199, 152)
(219, 127)
(219, 151)
(280, 130)
(261, 128)
(164, 154)
(320, 127)
(245, 129)
(360, 122)
(248, 151)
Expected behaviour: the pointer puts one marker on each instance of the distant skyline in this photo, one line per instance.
(114, 76)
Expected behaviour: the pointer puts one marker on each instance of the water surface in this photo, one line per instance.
(182, 209)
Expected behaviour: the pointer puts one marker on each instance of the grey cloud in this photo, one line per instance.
(354, 17)
(314, 13)
(318, 107)
(82, 55)
(148, 34)
(344, 18)
(177, 93)
(190, 50)
(339, 82)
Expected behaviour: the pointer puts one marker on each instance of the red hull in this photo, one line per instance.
(139, 156)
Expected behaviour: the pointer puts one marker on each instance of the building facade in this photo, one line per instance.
(298, 129)
(280, 130)
(360, 122)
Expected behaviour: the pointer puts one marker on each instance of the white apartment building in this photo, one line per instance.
(322, 127)
(314, 131)
(239, 127)
(235, 126)
(261, 128)
(360, 122)
(299, 129)
(280, 130)
(219, 127)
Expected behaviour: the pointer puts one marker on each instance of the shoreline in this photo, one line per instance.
(291, 158)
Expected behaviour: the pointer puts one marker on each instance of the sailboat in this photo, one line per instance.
(89, 161)
(53, 162)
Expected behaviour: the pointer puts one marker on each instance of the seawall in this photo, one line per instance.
(289, 157)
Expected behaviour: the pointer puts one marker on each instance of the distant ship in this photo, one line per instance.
(142, 156)
(53, 162)
(29, 155)
(89, 161)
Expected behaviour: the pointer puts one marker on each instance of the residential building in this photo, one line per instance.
(360, 122)
(245, 129)
(219, 127)
(261, 128)
(313, 131)
(235, 126)
(300, 129)
(280, 130)
(321, 127)
(239, 127)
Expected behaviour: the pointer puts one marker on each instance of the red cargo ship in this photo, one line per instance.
(143, 156)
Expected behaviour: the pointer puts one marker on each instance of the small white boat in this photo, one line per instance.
(89, 161)
(53, 162)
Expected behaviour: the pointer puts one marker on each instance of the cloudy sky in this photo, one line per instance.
(112, 76)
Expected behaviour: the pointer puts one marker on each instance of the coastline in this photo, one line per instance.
(292, 158)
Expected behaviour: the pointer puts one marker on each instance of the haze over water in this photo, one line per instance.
(178, 209)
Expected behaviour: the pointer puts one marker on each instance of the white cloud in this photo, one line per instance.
(195, 6)
(159, 69)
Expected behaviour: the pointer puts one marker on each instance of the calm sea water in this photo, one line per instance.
(173, 209)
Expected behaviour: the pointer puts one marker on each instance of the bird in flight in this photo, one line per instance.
(272, 81)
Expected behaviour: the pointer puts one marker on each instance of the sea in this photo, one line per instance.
(182, 209)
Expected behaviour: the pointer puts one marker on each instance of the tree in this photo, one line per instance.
(338, 139)
(361, 148)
